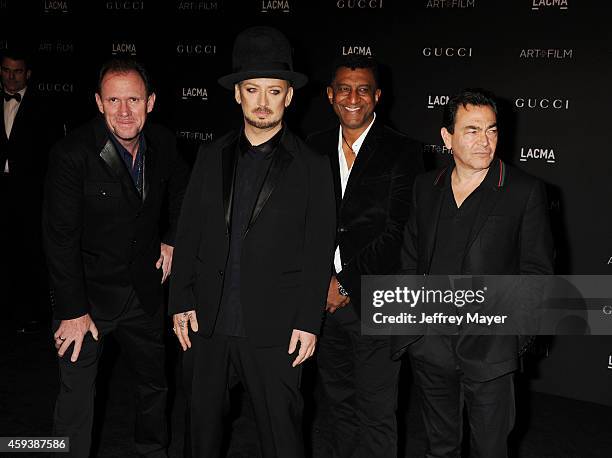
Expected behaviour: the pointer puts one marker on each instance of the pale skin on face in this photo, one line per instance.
(473, 143)
(124, 102)
(14, 75)
(263, 102)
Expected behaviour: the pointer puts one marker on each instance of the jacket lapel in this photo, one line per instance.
(110, 155)
(367, 150)
(490, 197)
(280, 161)
(332, 149)
(435, 208)
(148, 170)
(228, 170)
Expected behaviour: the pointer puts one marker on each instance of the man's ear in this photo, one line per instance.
(289, 96)
(330, 94)
(447, 137)
(237, 93)
(150, 102)
(99, 103)
(377, 94)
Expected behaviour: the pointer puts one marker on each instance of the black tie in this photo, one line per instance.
(16, 96)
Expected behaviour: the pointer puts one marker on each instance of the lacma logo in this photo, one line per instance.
(55, 6)
(357, 50)
(541, 4)
(541, 154)
(451, 3)
(275, 5)
(610, 361)
(447, 52)
(436, 101)
(124, 48)
(194, 93)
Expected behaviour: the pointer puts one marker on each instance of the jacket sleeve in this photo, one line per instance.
(186, 242)
(536, 236)
(409, 250)
(319, 236)
(177, 183)
(62, 225)
(380, 256)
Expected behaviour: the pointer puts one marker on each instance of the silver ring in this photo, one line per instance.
(62, 338)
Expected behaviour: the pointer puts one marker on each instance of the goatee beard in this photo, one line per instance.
(264, 124)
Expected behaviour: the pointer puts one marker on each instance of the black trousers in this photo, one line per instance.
(141, 338)
(356, 391)
(214, 365)
(445, 390)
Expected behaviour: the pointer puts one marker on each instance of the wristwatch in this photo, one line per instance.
(341, 289)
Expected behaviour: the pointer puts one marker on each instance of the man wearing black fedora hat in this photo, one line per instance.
(253, 250)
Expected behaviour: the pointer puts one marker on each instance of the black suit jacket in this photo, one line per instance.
(35, 129)
(511, 236)
(376, 204)
(286, 250)
(101, 238)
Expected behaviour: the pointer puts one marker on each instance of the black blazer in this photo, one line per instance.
(34, 131)
(376, 204)
(511, 236)
(286, 250)
(101, 239)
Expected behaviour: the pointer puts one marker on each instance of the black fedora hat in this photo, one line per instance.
(262, 52)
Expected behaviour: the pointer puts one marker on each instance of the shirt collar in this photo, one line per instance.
(265, 149)
(356, 146)
(122, 150)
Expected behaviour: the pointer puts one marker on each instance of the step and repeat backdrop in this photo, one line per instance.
(549, 62)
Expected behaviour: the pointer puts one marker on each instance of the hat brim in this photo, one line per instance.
(296, 79)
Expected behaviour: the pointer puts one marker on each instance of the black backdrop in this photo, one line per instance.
(548, 60)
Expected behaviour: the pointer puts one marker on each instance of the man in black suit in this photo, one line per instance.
(27, 131)
(373, 169)
(107, 261)
(253, 248)
(480, 217)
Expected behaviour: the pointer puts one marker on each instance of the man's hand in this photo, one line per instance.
(165, 260)
(74, 331)
(182, 321)
(308, 343)
(335, 300)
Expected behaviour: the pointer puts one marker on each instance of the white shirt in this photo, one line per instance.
(345, 172)
(10, 111)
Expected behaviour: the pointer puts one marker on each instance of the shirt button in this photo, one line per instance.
(221, 273)
(133, 241)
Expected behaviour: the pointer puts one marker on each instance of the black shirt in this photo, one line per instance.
(135, 167)
(251, 169)
(454, 228)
